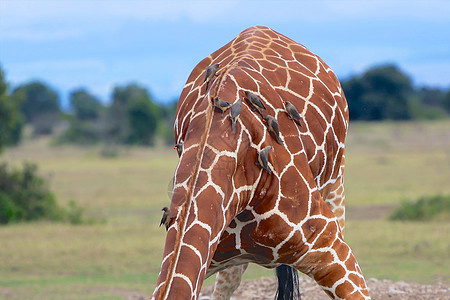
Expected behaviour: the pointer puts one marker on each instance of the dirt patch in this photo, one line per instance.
(265, 288)
(371, 212)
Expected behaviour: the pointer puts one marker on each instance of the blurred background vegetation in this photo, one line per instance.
(132, 117)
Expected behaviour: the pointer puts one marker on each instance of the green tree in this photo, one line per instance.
(133, 117)
(86, 124)
(380, 93)
(84, 105)
(39, 104)
(11, 121)
(165, 130)
(446, 101)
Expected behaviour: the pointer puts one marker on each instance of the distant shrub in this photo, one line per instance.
(424, 209)
(25, 196)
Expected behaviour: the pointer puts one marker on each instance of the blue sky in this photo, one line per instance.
(100, 44)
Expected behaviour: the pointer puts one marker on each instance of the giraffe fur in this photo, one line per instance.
(228, 211)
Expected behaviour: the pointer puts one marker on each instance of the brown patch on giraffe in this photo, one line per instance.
(297, 48)
(339, 212)
(262, 33)
(263, 202)
(270, 52)
(306, 60)
(222, 172)
(292, 249)
(277, 78)
(344, 289)
(200, 105)
(202, 180)
(299, 80)
(295, 205)
(322, 93)
(209, 205)
(295, 68)
(245, 216)
(188, 262)
(314, 264)
(312, 227)
(319, 207)
(328, 237)
(268, 66)
(293, 143)
(208, 158)
(278, 49)
(271, 231)
(254, 52)
(184, 171)
(280, 63)
(317, 124)
(282, 43)
(245, 78)
(248, 64)
(280, 155)
(260, 44)
(177, 198)
(177, 284)
(355, 278)
(316, 164)
(224, 56)
(224, 254)
(351, 262)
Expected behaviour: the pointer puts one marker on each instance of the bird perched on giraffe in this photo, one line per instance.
(263, 159)
(254, 101)
(211, 72)
(165, 218)
(292, 112)
(221, 105)
(235, 111)
(179, 148)
(272, 127)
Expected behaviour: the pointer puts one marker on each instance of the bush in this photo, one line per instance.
(424, 209)
(25, 196)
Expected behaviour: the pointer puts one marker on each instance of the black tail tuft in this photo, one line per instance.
(288, 284)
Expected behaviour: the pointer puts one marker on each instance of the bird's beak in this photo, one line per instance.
(175, 147)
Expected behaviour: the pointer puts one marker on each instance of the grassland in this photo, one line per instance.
(386, 164)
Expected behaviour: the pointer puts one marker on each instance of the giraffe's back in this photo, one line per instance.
(277, 68)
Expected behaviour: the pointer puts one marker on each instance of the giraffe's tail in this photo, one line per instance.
(288, 284)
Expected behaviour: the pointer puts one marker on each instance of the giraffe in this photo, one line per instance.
(226, 211)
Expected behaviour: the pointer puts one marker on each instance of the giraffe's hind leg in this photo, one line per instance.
(227, 281)
(327, 258)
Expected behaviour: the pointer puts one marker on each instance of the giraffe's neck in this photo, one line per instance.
(204, 207)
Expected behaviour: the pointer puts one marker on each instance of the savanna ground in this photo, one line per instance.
(120, 257)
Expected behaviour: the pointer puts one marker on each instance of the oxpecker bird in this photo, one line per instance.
(263, 159)
(221, 104)
(254, 101)
(211, 71)
(235, 111)
(272, 126)
(165, 218)
(292, 112)
(179, 148)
